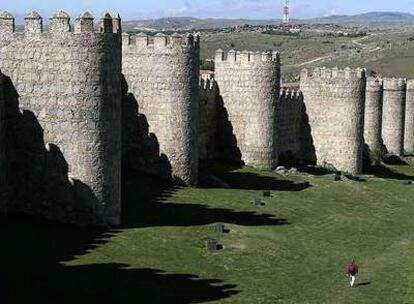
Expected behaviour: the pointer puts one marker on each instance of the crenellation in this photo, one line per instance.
(7, 23)
(84, 23)
(106, 24)
(60, 23)
(33, 23)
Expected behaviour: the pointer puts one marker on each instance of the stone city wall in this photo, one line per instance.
(334, 101)
(162, 78)
(63, 117)
(249, 85)
(409, 119)
(393, 118)
(373, 114)
(209, 107)
(290, 120)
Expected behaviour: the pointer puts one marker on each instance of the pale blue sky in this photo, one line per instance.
(133, 9)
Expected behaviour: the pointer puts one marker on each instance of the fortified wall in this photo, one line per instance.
(409, 119)
(162, 79)
(334, 101)
(393, 119)
(249, 85)
(373, 114)
(290, 123)
(63, 104)
(209, 118)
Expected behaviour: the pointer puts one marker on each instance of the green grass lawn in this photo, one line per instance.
(292, 250)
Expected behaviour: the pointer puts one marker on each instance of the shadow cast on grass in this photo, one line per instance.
(144, 200)
(363, 284)
(32, 269)
(248, 180)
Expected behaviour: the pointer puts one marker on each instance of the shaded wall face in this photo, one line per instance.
(162, 82)
(209, 111)
(393, 119)
(3, 185)
(249, 92)
(335, 107)
(409, 120)
(290, 122)
(64, 93)
(373, 115)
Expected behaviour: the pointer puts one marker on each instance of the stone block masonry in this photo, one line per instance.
(290, 123)
(334, 101)
(393, 119)
(162, 76)
(409, 119)
(209, 111)
(249, 85)
(373, 114)
(63, 117)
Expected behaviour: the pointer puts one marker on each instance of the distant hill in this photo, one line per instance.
(190, 23)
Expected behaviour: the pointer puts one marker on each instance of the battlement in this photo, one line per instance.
(334, 73)
(160, 41)
(290, 95)
(374, 84)
(245, 56)
(410, 85)
(207, 83)
(59, 23)
(395, 84)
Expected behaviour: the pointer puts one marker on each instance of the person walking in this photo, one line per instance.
(351, 270)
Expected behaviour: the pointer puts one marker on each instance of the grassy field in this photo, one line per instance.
(292, 250)
(388, 52)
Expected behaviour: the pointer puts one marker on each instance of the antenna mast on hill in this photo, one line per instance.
(286, 12)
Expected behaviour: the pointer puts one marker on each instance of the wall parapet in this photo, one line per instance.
(160, 41)
(233, 56)
(395, 84)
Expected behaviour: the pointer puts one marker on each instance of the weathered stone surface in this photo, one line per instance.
(409, 119)
(393, 118)
(64, 92)
(334, 101)
(249, 85)
(373, 114)
(163, 80)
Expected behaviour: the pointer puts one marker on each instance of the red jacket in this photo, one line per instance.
(349, 266)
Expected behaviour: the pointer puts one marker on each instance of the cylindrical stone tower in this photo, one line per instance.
(70, 82)
(393, 117)
(249, 85)
(409, 119)
(162, 76)
(373, 114)
(335, 102)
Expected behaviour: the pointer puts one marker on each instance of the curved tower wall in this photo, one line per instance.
(163, 76)
(3, 185)
(393, 119)
(373, 114)
(409, 119)
(249, 85)
(334, 101)
(71, 82)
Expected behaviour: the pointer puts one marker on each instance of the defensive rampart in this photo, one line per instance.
(249, 85)
(63, 117)
(334, 101)
(162, 76)
(409, 119)
(373, 114)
